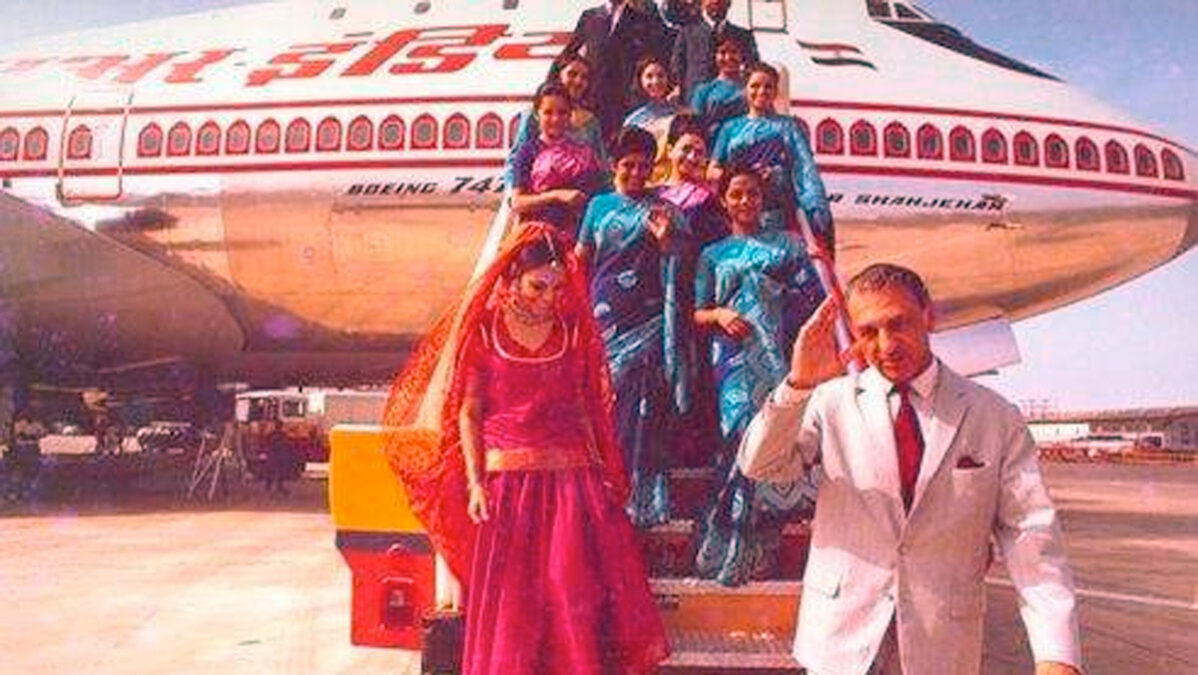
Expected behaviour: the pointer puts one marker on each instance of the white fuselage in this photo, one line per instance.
(305, 183)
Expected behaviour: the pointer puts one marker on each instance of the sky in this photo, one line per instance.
(1133, 346)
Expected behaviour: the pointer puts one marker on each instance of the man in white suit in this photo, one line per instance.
(922, 468)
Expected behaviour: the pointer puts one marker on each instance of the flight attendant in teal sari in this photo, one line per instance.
(774, 147)
(633, 244)
(753, 290)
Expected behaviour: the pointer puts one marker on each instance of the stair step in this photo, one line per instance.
(703, 652)
(669, 549)
(757, 608)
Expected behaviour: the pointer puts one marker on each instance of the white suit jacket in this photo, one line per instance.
(871, 562)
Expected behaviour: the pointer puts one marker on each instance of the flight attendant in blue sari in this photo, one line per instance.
(775, 147)
(723, 97)
(753, 290)
(633, 243)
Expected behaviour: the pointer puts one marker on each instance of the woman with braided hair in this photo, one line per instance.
(508, 456)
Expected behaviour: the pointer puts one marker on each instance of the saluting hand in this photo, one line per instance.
(815, 358)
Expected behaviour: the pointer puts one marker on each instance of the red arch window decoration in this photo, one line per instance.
(1172, 165)
(424, 132)
(1145, 162)
(803, 127)
(1086, 152)
(863, 138)
(489, 131)
(513, 131)
(456, 134)
(178, 140)
(1025, 149)
(896, 140)
(328, 135)
(1116, 158)
(37, 144)
(994, 147)
(237, 139)
(149, 141)
(930, 143)
(829, 138)
(79, 143)
(391, 133)
(266, 138)
(1056, 152)
(299, 135)
(961, 146)
(10, 144)
(361, 134)
(208, 139)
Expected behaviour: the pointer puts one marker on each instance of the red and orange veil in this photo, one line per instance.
(421, 417)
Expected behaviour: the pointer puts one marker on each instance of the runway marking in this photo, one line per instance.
(1149, 600)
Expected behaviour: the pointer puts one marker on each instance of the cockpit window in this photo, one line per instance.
(917, 23)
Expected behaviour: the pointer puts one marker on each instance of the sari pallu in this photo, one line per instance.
(769, 281)
(774, 145)
(643, 316)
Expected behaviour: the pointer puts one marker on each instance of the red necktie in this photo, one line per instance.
(909, 443)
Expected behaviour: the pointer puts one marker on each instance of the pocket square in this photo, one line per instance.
(968, 462)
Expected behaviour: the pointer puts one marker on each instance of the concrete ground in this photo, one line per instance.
(255, 586)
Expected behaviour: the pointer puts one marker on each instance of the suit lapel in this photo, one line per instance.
(872, 390)
(948, 409)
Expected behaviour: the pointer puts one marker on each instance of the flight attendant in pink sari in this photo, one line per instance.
(522, 487)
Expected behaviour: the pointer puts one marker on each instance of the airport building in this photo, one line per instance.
(1173, 428)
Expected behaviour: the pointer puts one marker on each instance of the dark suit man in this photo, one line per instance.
(693, 58)
(613, 38)
(922, 468)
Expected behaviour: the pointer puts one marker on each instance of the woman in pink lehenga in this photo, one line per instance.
(522, 486)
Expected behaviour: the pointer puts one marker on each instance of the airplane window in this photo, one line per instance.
(863, 139)
(1116, 158)
(1056, 152)
(1087, 154)
(490, 131)
(149, 141)
(267, 139)
(994, 147)
(36, 143)
(79, 145)
(1027, 153)
(337, 13)
(897, 140)
(903, 12)
(208, 139)
(513, 129)
(960, 145)
(511, 4)
(1145, 162)
(421, 7)
(424, 132)
(931, 143)
(299, 135)
(457, 132)
(178, 141)
(10, 144)
(237, 141)
(879, 9)
(829, 138)
(328, 135)
(391, 133)
(361, 134)
(1172, 163)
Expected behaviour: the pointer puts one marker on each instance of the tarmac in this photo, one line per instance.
(116, 585)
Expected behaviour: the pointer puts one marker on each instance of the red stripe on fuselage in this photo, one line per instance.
(498, 162)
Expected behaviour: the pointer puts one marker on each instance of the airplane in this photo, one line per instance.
(291, 192)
